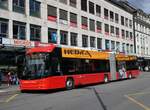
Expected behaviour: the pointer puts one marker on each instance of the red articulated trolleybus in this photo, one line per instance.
(52, 67)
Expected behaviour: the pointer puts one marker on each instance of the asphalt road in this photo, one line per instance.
(120, 95)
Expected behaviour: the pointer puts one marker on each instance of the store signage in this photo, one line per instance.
(25, 43)
(6, 41)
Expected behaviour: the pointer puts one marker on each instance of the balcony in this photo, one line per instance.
(19, 9)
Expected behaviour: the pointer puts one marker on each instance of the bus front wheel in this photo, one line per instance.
(69, 84)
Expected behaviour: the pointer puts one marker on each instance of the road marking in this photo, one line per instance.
(139, 93)
(137, 102)
(11, 98)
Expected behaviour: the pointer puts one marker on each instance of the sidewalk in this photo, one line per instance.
(12, 88)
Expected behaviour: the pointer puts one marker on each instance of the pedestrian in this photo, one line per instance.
(0, 77)
(9, 79)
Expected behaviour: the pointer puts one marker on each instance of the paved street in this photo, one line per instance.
(121, 95)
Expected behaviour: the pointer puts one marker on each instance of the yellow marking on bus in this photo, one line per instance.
(137, 102)
(11, 98)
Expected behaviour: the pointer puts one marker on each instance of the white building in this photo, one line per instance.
(142, 37)
(90, 24)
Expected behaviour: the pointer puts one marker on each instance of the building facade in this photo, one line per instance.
(89, 24)
(142, 38)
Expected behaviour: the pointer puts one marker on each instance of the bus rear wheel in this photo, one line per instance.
(69, 84)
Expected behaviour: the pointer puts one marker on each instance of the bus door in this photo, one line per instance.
(112, 61)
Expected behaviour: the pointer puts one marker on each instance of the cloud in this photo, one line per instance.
(142, 4)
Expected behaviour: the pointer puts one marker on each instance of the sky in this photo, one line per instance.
(143, 4)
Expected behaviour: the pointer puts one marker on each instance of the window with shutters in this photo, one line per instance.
(84, 5)
(3, 28)
(92, 25)
(84, 41)
(73, 39)
(127, 34)
(99, 43)
(116, 18)
(107, 45)
(73, 3)
(98, 10)
(106, 29)
(91, 7)
(112, 29)
(122, 20)
(111, 16)
(64, 37)
(35, 8)
(63, 15)
(63, 1)
(73, 19)
(52, 13)
(92, 41)
(117, 32)
(84, 22)
(35, 33)
(19, 6)
(105, 13)
(123, 34)
(19, 30)
(99, 26)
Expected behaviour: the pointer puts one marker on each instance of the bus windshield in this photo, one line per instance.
(35, 66)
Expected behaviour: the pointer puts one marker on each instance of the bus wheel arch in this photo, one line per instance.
(69, 83)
